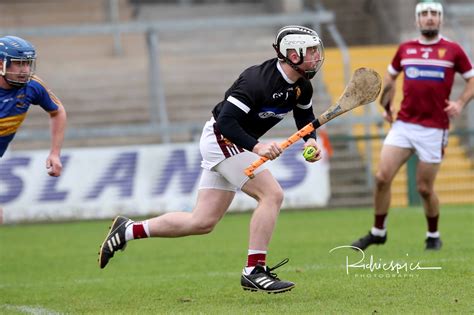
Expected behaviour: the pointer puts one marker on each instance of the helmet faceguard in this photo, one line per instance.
(18, 58)
(300, 39)
(428, 6)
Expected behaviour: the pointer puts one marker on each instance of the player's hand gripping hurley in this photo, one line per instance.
(362, 89)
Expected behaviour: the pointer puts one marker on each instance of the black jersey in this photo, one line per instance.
(258, 100)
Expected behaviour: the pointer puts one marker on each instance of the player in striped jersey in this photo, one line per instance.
(20, 88)
(429, 64)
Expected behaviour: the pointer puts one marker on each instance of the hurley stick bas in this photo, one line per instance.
(362, 89)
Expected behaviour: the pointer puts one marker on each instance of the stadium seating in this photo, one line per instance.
(100, 88)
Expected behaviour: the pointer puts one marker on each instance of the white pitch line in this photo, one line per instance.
(35, 310)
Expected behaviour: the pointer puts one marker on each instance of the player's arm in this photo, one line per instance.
(229, 125)
(57, 129)
(247, 91)
(303, 115)
(388, 94)
(454, 108)
(388, 91)
(51, 104)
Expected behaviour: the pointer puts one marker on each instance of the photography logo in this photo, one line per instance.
(379, 268)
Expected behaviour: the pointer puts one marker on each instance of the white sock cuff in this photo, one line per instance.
(247, 270)
(146, 228)
(129, 232)
(378, 232)
(256, 251)
(433, 234)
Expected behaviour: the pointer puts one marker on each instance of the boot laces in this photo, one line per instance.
(272, 274)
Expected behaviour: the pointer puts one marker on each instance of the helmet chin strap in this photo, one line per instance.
(308, 75)
(14, 84)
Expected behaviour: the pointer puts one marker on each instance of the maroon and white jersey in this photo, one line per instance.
(429, 69)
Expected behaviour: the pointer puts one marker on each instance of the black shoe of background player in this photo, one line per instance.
(368, 240)
(433, 243)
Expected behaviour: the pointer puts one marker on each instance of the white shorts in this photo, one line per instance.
(223, 162)
(428, 143)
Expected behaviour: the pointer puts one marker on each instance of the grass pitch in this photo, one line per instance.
(52, 268)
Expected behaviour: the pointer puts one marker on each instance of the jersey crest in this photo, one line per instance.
(441, 52)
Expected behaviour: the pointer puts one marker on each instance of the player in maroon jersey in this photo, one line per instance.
(429, 64)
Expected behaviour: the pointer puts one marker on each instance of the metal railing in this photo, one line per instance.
(159, 123)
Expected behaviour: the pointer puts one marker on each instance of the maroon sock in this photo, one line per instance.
(139, 230)
(379, 222)
(256, 259)
(432, 223)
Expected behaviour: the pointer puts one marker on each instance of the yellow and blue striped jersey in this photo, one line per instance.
(14, 104)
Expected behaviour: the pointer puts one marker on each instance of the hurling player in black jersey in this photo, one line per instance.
(257, 101)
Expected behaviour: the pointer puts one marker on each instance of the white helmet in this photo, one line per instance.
(429, 6)
(298, 38)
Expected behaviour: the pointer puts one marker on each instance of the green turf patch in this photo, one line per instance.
(52, 268)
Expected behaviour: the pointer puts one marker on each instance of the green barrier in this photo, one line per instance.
(413, 196)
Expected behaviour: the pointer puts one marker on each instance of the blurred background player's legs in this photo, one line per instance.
(391, 159)
(425, 178)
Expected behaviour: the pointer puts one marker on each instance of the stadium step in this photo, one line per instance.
(350, 202)
(57, 12)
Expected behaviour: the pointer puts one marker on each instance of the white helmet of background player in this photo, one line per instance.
(429, 6)
(299, 38)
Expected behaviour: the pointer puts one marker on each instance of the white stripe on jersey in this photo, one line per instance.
(305, 106)
(392, 70)
(239, 104)
(427, 62)
(469, 74)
